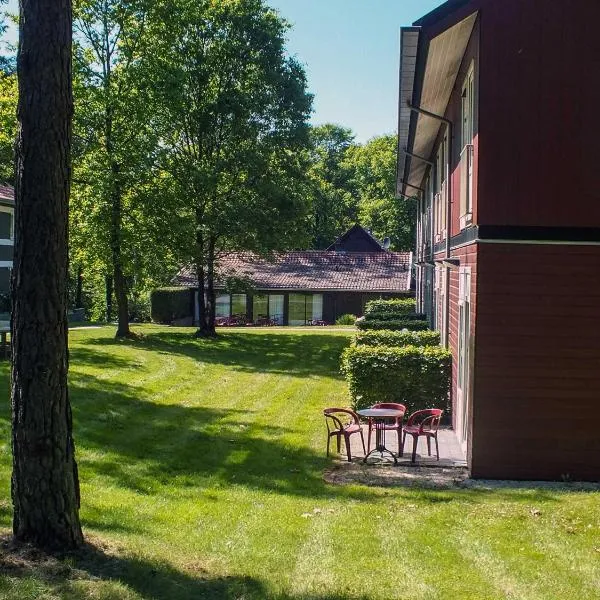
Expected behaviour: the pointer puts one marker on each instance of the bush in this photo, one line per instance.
(346, 319)
(416, 377)
(399, 306)
(395, 325)
(168, 304)
(388, 316)
(385, 337)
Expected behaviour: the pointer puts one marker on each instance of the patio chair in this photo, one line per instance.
(423, 423)
(395, 426)
(336, 428)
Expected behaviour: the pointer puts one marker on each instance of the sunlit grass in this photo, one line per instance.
(201, 461)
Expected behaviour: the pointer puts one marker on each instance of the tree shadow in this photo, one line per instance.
(147, 447)
(294, 354)
(113, 575)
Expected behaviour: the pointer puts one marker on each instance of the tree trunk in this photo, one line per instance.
(210, 290)
(45, 485)
(79, 288)
(109, 295)
(115, 243)
(202, 330)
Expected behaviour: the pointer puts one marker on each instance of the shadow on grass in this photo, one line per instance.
(149, 447)
(94, 572)
(288, 353)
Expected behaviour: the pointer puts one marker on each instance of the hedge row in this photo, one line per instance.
(385, 337)
(395, 325)
(168, 304)
(387, 316)
(416, 377)
(401, 306)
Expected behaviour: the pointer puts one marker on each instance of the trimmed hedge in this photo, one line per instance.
(395, 325)
(416, 377)
(399, 306)
(387, 316)
(168, 304)
(385, 337)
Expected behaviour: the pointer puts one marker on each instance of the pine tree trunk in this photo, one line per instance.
(45, 485)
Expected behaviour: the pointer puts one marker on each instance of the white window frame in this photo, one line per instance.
(467, 123)
(11, 240)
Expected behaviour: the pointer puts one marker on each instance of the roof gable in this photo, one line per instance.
(356, 239)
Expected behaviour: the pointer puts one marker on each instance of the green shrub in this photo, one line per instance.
(395, 325)
(416, 377)
(399, 306)
(346, 319)
(388, 316)
(168, 304)
(385, 337)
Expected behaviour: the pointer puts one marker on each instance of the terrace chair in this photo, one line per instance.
(337, 428)
(395, 426)
(423, 423)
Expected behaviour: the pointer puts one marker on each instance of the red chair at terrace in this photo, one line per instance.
(423, 423)
(395, 426)
(339, 425)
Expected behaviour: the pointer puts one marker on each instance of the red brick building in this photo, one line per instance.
(498, 139)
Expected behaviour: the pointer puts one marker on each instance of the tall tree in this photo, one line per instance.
(45, 486)
(371, 172)
(233, 123)
(8, 125)
(334, 208)
(114, 143)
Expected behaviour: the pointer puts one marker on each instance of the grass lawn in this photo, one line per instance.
(201, 469)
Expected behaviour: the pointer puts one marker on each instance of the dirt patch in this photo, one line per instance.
(345, 473)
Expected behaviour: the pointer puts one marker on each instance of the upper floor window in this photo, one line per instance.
(440, 198)
(6, 223)
(467, 155)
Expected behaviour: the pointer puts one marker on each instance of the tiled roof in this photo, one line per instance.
(317, 270)
(7, 194)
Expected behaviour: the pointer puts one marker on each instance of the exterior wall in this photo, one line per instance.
(537, 363)
(539, 113)
(335, 304)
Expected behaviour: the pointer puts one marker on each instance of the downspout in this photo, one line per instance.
(449, 130)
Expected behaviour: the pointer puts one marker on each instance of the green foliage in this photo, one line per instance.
(394, 325)
(418, 377)
(346, 319)
(389, 316)
(353, 183)
(399, 306)
(385, 337)
(8, 125)
(168, 304)
(232, 116)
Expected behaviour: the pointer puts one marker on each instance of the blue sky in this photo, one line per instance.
(350, 49)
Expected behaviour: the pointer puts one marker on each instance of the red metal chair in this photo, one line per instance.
(396, 426)
(423, 423)
(337, 428)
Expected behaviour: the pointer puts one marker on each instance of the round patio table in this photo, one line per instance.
(379, 417)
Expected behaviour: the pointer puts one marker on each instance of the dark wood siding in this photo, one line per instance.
(537, 377)
(538, 115)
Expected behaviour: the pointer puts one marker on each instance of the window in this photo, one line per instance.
(304, 308)
(276, 302)
(260, 307)
(238, 304)
(6, 223)
(466, 155)
(440, 198)
(223, 306)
